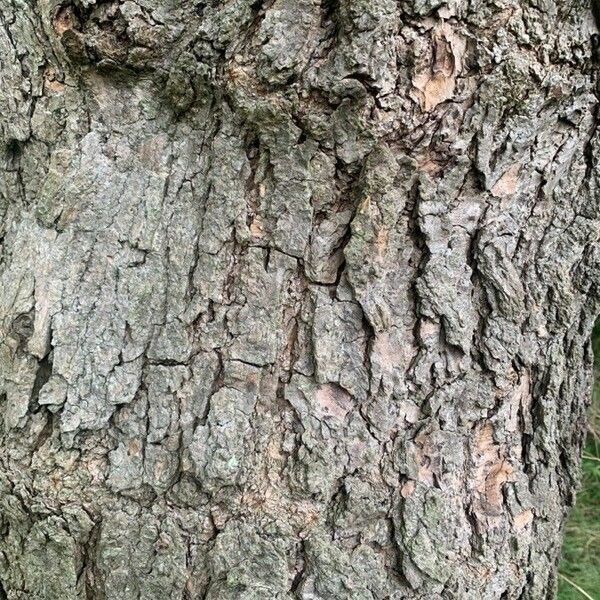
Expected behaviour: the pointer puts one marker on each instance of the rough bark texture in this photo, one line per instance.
(295, 296)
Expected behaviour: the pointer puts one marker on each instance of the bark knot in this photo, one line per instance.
(109, 34)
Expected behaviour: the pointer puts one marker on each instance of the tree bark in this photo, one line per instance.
(295, 296)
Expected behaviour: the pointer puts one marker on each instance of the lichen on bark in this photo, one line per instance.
(295, 296)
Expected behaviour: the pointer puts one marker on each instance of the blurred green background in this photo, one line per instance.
(580, 562)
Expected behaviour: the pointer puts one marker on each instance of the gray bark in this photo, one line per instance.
(295, 296)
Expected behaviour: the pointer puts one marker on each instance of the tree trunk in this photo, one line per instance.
(295, 296)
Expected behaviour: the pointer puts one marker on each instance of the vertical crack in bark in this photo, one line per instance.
(299, 567)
